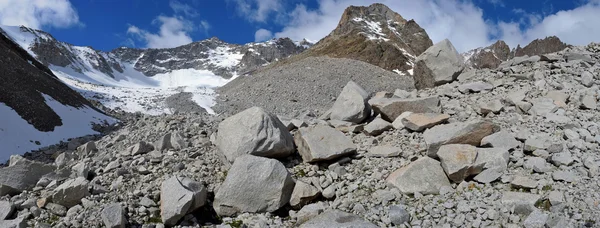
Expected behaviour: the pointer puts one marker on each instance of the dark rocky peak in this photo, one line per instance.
(489, 57)
(540, 46)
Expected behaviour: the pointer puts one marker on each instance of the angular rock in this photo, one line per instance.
(537, 219)
(562, 158)
(377, 127)
(88, 147)
(501, 139)
(351, 105)
(537, 143)
(556, 198)
(537, 164)
(71, 192)
(494, 106)
(7, 190)
(457, 160)
(397, 124)
(588, 102)
(19, 222)
(336, 218)
(391, 108)
(521, 203)
(457, 133)
(559, 97)
(141, 148)
(542, 106)
(113, 216)
(256, 132)
(321, 143)
(22, 175)
(180, 196)
(523, 182)
(490, 164)
(438, 65)
(385, 151)
(303, 194)
(6, 209)
(424, 176)
(398, 214)
(422, 121)
(567, 176)
(254, 184)
(587, 79)
(488, 176)
(309, 211)
(170, 141)
(475, 87)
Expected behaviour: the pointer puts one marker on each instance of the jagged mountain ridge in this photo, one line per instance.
(490, 57)
(223, 59)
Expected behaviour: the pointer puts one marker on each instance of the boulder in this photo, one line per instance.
(377, 127)
(422, 121)
(22, 175)
(457, 160)
(256, 132)
(337, 218)
(6, 209)
(71, 192)
(471, 132)
(351, 105)
(113, 216)
(303, 194)
(398, 214)
(588, 101)
(587, 79)
(87, 148)
(322, 143)
(439, 64)
(180, 196)
(425, 176)
(170, 141)
(391, 108)
(141, 148)
(501, 139)
(254, 184)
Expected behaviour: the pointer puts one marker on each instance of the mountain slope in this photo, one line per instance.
(376, 35)
(488, 57)
(37, 109)
(134, 80)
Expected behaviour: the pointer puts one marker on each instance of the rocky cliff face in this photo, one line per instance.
(489, 57)
(376, 35)
(212, 54)
(540, 46)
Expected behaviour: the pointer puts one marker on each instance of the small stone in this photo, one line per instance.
(113, 216)
(377, 127)
(309, 211)
(303, 194)
(494, 106)
(556, 198)
(587, 79)
(336, 218)
(475, 87)
(385, 151)
(543, 106)
(178, 196)
(329, 192)
(141, 148)
(588, 102)
(391, 108)
(562, 158)
(570, 134)
(421, 121)
(398, 214)
(523, 182)
(566, 176)
(537, 219)
(501, 139)
(56, 209)
(538, 165)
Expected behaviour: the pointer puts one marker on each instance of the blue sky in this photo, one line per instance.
(108, 24)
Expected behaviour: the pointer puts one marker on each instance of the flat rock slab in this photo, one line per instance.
(71, 192)
(522, 203)
(303, 194)
(385, 151)
(471, 133)
(322, 143)
(377, 127)
(337, 218)
(256, 132)
(501, 139)
(6, 209)
(422, 121)
(113, 216)
(254, 184)
(22, 175)
(457, 160)
(391, 108)
(475, 87)
(425, 176)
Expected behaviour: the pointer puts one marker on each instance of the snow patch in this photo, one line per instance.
(375, 31)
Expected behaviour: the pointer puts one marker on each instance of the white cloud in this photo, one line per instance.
(173, 32)
(262, 35)
(179, 8)
(257, 10)
(205, 26)
(460, 21)
(38, 13)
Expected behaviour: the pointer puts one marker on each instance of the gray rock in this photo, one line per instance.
(329, 192)
(398, 214)
(424, 176)
(457, 160)
(179, 196)
(321, 143)
(488, 176)
(7, 190)
(397, 124)
(501, 139)
(539, 142)
(385, 151)
(336, 218)
(438, 65)
(475, 87)
(87, 148)
(256, 132)
(71, 192)
(400, 93)
(352, 104)
(391, 108)
(570, 134)
(377, 127)
(309, 211)
(538, 164)
(56, 209)
(567, 176)
(471, 133)
(542, 106)
(81, 169)
(562, 158)
(141, 148)
(558, 221)
(6, 209)
(494, 106)
(588, 101)
(422, 121)
(587, 79)
(559, 97)
(170, 141)
(537, 219)
(303, 194)
(467, 74)
(19, 222)
(22, 175)
(523, 182)
(556, 198)
(113, 216)
(254, 184)
(520, 202)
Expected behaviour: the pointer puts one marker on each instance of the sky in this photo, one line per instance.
(468, 24)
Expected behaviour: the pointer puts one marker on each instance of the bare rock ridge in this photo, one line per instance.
(374, 34)
(490, 57)
(24, 81)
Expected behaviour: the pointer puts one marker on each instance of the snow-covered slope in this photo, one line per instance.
(141, 79)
